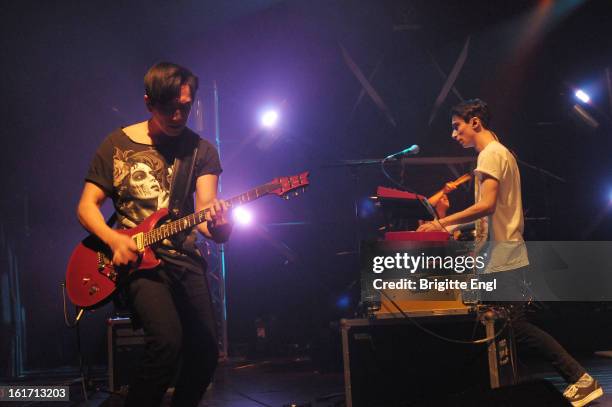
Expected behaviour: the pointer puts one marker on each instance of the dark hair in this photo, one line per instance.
(163, 82)
(473, 108)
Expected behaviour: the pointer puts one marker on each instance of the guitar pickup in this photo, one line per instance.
(139, 240)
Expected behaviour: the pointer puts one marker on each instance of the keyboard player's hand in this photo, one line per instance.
(433, 226)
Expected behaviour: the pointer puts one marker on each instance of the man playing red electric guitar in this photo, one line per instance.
(135, 167)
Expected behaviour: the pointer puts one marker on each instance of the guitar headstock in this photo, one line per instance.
(293, 185)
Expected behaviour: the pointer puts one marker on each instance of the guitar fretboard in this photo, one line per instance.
(172, 228)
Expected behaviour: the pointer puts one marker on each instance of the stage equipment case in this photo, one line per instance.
(393, 361)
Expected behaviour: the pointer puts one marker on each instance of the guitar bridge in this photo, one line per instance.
(105, 267)
(103, 261)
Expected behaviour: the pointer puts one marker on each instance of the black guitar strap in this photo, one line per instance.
(182, 173)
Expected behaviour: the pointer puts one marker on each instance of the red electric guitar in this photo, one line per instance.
(91, 277)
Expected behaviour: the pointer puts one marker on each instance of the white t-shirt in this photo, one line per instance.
(505, 225)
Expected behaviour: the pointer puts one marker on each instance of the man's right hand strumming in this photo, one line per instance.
(124, 249)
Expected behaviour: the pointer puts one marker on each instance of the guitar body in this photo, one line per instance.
(91, 277)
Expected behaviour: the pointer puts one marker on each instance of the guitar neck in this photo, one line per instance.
(433, 200)
(172, 228)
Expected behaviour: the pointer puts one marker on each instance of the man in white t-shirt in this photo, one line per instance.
(496, 164)
(498, 212)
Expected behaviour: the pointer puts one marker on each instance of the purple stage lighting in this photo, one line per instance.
(582, 96)
(269, 118)
(242, 216)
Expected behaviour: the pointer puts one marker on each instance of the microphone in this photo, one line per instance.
(412, 150)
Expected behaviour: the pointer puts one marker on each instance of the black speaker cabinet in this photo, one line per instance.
(125, 349)
(404, 361)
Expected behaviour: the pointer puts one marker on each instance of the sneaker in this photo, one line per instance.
(585, 390)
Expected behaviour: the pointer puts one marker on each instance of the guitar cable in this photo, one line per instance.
(451, 340)
(84, 377)
(79, 313)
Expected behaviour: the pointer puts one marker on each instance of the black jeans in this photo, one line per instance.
(175, 311)
(510, 284)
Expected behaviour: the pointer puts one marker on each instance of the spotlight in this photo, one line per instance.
(582, 96)
(343, 302)
(366, 208)
(242, 216)
(269, 118)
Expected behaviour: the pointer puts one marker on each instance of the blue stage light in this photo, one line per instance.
(366, 207)
(343, 302)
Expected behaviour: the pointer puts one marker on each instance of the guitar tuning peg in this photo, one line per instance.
(286, 197)
(296, 193)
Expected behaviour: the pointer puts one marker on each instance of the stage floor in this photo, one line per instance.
(287, 382)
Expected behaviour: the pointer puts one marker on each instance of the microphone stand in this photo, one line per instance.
(542, 171)
(354, 163)
(401, 160)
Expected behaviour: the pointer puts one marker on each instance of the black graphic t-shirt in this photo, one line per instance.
(138, 178)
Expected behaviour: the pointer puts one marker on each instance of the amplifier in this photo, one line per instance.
(125, 350)
(400, 361)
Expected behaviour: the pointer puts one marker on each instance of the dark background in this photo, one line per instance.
(72, 72)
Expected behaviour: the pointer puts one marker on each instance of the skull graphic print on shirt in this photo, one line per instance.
(142, 181)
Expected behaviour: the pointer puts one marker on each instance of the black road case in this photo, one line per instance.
(399, 361)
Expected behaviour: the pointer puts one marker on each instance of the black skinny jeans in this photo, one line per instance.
(175, 311)
(510, 285)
